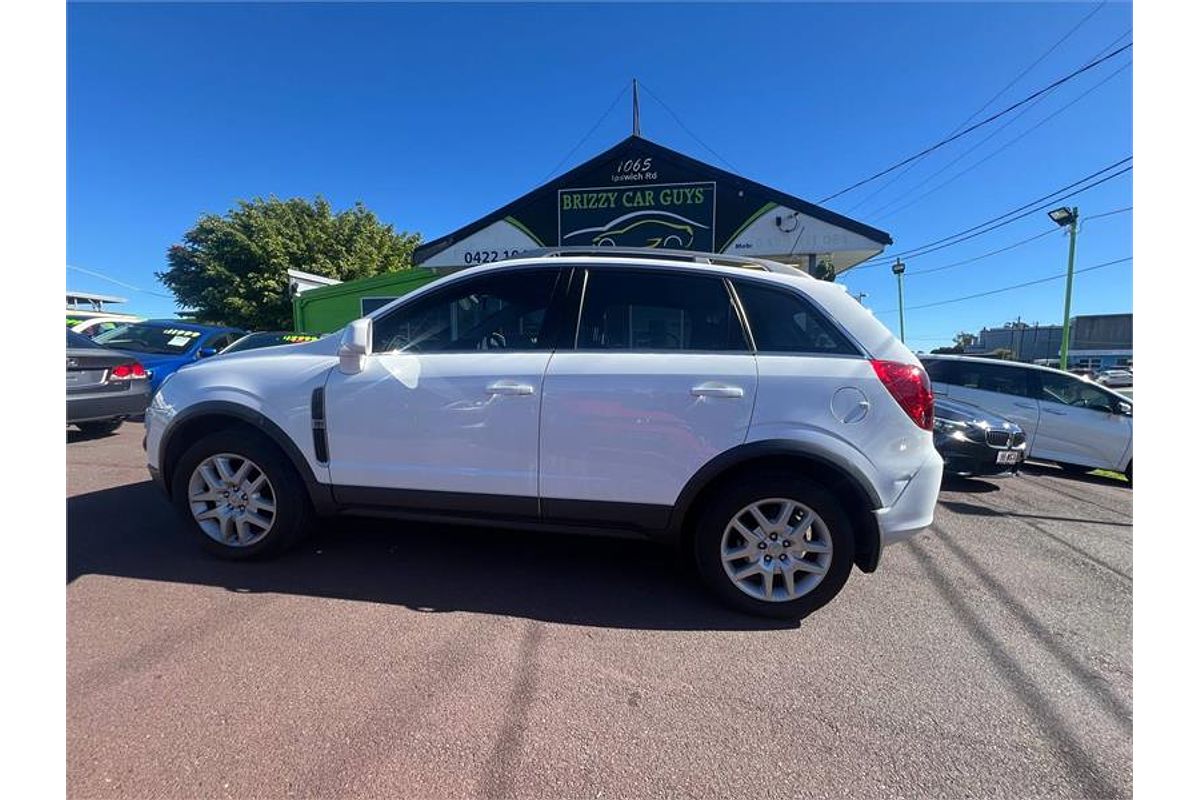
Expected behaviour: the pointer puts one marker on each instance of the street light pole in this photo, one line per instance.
(898, 271)
(1067, 218)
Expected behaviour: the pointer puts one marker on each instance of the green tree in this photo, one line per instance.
(232, 269)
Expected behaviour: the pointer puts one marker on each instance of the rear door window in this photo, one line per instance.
(784, 322)
(643, 310)
(992, 378)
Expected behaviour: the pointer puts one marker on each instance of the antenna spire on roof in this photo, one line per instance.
(637, 116)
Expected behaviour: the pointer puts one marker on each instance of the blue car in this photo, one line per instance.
(164, 345)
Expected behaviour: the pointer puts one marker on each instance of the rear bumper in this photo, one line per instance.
(912, 511)
(110, 405)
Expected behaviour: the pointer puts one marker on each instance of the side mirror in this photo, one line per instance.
(206, 352)
(1124, 408)
(355, 346)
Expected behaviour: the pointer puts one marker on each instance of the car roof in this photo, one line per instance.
(617, 257)
(979, 360)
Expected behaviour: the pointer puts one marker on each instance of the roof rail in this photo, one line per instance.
(717, 259)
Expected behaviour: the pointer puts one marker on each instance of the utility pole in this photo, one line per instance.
(898, 271)
(637, 114)
(859, 297)
(1067, 218)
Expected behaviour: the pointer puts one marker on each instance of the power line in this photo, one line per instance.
(979, 124)
(983, 141)
(586, 136)
(991, 100)
(1012, 246)
(1006, 218)
(104, 277)
(998, 150)
(688, 130)
(1009, 288)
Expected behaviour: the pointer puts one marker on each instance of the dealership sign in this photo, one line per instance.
(640, 194)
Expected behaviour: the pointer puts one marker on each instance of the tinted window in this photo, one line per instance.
(502, 311)
(1071, 391)
(161, 339)
(940, 371)
(643, 310)
(991, 378)
(784, 322)
(79, 340)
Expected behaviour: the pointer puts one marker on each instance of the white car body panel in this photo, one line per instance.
(837, 406)
(626, 427)
(275, 382)
(428, 421)
(1024, 411)
(1083, 436)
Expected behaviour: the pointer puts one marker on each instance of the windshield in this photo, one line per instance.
(139, 338)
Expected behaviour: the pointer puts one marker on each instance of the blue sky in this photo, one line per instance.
(434, 115)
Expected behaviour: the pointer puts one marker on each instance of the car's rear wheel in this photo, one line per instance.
(1129, 472)
(240, 495)
(99, 427)
(774, 545)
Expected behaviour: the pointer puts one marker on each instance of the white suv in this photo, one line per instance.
(1066, 419)
(761, 418)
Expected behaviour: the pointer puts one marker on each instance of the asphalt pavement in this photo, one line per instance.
(989, 657)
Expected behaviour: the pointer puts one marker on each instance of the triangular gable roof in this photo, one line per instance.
(739, 199)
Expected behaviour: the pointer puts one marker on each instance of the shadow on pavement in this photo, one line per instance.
(1055, 471)
(985, 511)
(132, 531)
(953, 483)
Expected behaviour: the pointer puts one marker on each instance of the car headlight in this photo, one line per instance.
(962, 431)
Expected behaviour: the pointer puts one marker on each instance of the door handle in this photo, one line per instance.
(509, 387)
(1024, 405)
(713, 389)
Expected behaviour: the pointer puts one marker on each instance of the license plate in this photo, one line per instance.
(1008, 457)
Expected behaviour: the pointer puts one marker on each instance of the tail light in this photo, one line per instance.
(128, 372)
(909, 385)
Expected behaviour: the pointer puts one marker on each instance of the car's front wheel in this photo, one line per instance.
(774, 545)
(240, 495)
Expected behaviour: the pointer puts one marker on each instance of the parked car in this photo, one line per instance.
(760, 418)
(973, 442)
(94, 326)
(253, 341)
(1066, 419)
(1115, 378)
(104, 387)
(164, 346)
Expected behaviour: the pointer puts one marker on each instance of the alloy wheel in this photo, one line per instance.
(232, 500)
(776, 549)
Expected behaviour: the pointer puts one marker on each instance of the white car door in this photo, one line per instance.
(449, 399)
(1005, 390)
(661, 381)
(1081, 423)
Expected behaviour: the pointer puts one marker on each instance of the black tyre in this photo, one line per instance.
(240, 495)
(1129, 472)
(774, 544)
(99, 427)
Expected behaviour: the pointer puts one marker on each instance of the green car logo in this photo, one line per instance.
(660, 229)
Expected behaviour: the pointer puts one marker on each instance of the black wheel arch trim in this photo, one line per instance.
(319, 493)
(868, 550)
